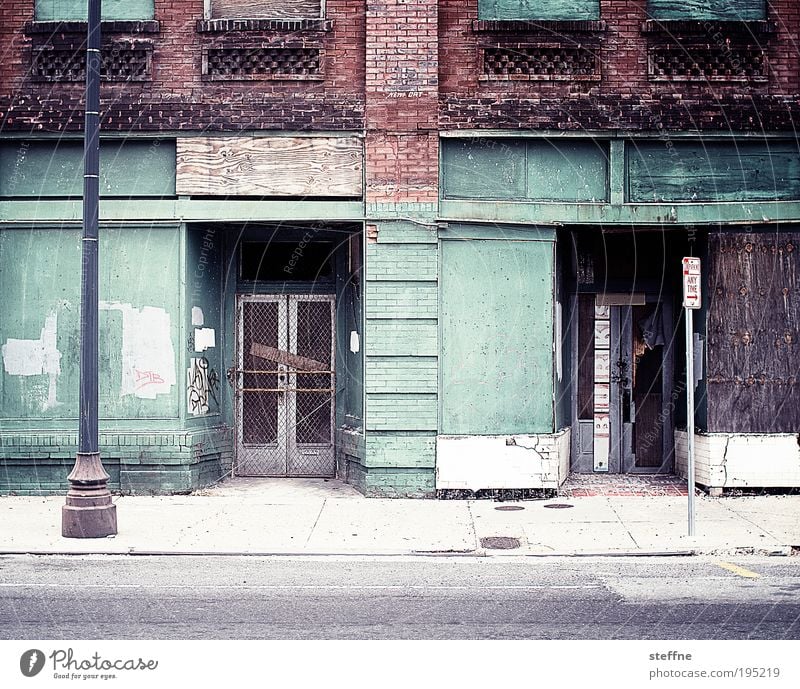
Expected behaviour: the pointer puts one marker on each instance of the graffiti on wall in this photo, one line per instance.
(148, 355)
(202, 386)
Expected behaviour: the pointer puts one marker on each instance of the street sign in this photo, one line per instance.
(691, 283)
(691, 300)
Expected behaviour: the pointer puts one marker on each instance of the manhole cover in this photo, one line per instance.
(558, 506)
(500, 542)
(509, 508)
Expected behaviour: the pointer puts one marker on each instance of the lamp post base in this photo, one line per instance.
(89, 512)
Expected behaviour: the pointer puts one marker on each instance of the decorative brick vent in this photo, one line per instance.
(263, 62)
(120, 63)
(540, 62)
(678, 62)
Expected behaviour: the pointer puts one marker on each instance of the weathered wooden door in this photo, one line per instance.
(285, 386)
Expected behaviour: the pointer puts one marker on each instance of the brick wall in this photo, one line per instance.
(623, 97)
(401, 101)
(177, 97)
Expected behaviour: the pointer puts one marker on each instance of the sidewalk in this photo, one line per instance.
(315, 516)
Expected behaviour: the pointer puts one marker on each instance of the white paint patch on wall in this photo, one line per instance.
(197, 316)
(36, 358)
(148, 354)
(741, 460)
(204, 338)
(484, 462)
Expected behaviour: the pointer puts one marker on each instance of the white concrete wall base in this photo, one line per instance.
(486, 462)
(741, 460)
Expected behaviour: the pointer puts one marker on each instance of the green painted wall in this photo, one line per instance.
(733, 10)
(525, 170)
(401, 362)
(139, 323)
(55, 169)
(497, 336)
(712, 171)
(66, 10)
(539, 9)
(203, 374)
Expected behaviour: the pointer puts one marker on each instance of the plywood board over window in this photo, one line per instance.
(270, 166)
(266, 9)
(571, 10)
(728, 10)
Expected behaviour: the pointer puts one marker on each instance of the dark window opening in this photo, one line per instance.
(301, 261)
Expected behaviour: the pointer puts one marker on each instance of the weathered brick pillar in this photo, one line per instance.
(401, 290)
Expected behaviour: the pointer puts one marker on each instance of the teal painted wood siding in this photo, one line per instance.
(525, 170)
(497, 337)
(747, 171)
(55, 169)
(539, 9)
(76, 10)
(139, 323)
(732, 10)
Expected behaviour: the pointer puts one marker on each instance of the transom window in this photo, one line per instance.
(76, 10)
(266, 9)
(725, 10)
(532, 10)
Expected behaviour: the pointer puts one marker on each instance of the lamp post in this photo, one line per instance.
(89, 512)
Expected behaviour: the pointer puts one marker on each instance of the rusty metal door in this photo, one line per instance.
(285, 382)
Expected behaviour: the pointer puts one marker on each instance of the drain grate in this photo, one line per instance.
(500, 542)
(558, 506)
(509, 508)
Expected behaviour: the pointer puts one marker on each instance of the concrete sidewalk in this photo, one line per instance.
(314, 516)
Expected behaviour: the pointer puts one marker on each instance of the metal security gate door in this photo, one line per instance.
(285, 384)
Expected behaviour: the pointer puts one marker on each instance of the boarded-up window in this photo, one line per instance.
(728, 10)
(538, 9)
(76, 10)
(713, 171)
(272, 9)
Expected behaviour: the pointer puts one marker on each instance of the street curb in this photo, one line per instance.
(478, 553)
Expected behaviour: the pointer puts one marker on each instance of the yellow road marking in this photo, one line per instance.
(741, 571)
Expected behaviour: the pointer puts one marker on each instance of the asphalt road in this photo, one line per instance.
(399, 598)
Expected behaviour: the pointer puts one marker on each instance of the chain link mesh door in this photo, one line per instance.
(285, 386)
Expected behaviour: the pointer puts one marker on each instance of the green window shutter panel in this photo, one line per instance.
(746, 171)
(730, 10)
(534, 170)
(538, 9)
(43, 168)
(497, 337)
(76, 10)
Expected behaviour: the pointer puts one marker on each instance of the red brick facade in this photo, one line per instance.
(401, 70)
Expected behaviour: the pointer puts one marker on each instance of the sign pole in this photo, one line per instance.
(690, 413)
(692, 299)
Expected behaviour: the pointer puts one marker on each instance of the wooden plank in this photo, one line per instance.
(714, 171)
(540, 9)
(753, 312)
(274, 166)
(273, 9)
(279, 356)
(733, 10)
(76, 10)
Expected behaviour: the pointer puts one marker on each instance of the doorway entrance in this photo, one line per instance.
(285, 383)
(623, 402)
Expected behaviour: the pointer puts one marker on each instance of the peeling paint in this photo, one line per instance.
(148, 354)
(36, 358)
(204, 338)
